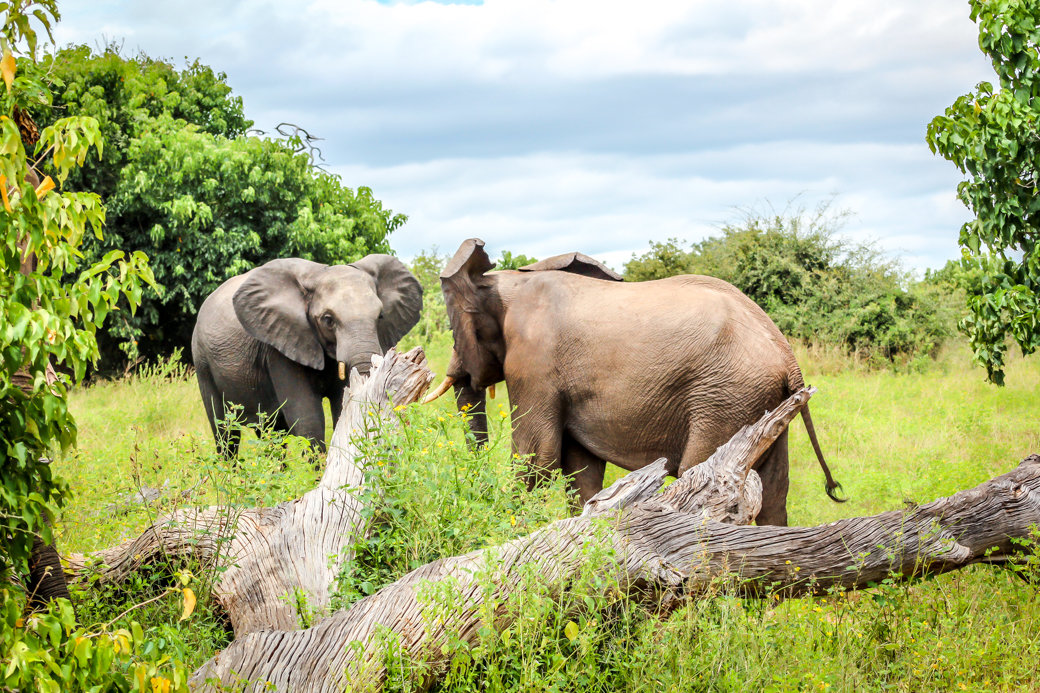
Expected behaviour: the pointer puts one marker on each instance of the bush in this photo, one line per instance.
(433, 494)
(814, 285)
(183, 181)
(433, 320)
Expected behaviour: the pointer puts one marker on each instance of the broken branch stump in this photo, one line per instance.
(294, 548)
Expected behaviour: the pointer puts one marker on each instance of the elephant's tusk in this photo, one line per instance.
(342, 371)
(440, 390)
(491, 391)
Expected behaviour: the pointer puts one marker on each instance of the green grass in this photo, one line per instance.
(889, 438)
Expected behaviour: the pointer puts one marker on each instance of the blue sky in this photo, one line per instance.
(545, 126)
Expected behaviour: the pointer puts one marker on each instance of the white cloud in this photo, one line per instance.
(611, 206)
(552, 125)
(593, 39)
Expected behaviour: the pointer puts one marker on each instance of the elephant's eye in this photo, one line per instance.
(381, 315)
(326, 320)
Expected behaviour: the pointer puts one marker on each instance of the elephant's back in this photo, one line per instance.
(693, 308)
(650, 366)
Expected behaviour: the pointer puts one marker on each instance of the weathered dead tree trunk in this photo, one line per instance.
(294, 548)
(670, 544)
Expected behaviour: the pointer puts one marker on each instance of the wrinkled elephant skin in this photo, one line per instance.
(601, 370)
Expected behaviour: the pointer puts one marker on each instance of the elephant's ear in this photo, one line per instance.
(272, 305)
(400, 293)
(461, 275)
(459, 282)
(575, 263)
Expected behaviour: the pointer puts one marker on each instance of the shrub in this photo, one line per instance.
(433, 320)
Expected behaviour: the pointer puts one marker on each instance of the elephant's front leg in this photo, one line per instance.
(335, 394)
(299, 398)
(474, 403)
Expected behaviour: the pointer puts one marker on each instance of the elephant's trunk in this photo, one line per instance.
(352, 352)
(474, 403)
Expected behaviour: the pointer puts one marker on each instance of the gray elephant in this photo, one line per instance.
(283, 336)
(603, 370)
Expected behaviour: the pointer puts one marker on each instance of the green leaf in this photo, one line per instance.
(571, 630)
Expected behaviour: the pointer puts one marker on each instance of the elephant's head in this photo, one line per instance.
(475, 311)
(346, 313)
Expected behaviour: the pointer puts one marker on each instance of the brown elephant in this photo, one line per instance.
(601, 370)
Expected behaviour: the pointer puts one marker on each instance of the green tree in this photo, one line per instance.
(52, 302)
(666, 259)
(125, 94)
(433, 321)
(991, 136)
(184, 181)
(508, 261)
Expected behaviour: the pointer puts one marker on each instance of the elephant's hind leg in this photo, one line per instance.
(226, 434)
(774, 469)
(584, 469)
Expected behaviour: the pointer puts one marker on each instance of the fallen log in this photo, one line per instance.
(296, 548)
(669, 544)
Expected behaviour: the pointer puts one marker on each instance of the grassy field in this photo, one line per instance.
(890, 438)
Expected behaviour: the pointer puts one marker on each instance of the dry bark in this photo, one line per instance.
(294, 548)
(670, 545)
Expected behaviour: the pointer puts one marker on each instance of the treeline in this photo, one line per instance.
(186, 179)
(818, 287)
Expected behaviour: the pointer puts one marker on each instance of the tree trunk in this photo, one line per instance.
(294, 549)
(668, 545)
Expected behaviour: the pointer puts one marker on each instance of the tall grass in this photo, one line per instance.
(890, 437)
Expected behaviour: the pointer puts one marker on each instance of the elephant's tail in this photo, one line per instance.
(832, 486)
(796, 382)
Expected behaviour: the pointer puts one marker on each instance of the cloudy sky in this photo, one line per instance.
(545, 126)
